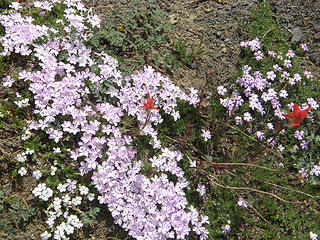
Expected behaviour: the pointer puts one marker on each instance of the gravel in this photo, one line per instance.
(221, 26)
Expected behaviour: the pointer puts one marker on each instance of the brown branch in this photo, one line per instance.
(245, 164)
(211, 177)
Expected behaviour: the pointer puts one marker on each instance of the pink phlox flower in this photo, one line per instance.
(242, 203)
(304, 47)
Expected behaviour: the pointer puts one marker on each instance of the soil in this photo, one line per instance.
(220, 23)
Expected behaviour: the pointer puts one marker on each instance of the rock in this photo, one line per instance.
(316, 27)
(7, 189)
(296, 35)
(193, 65)
(315, 58)
(173, 19)
(317, 36)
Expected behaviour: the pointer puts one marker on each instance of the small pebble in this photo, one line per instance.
(316, 36)
(173, 19)
(296, 35)
(316, 27)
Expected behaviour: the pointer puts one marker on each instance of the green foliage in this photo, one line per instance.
(49, 18)
(188, 55)
(134, 35)
(89, 216)
(263, 25)
(14, 214)
(4, 4)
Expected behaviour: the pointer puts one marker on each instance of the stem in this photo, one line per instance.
(209, 80)
(290, 189)
(144, 125)
(270, 29)
(211, 177)
(244, 164)
(126, 124)
(265, 147)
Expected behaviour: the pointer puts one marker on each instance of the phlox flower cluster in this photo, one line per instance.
(131, 197)
(226, 228)
(43, 192)
(20, 33)
(63, 204)
(151, 207)
(257, 93)
(314, 171)
(242, 203)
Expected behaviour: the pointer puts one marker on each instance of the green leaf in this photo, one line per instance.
(209, 158)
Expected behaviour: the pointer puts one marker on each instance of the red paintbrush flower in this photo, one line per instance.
(297, 115)
(148, 105)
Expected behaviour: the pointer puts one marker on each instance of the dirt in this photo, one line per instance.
(220, 23)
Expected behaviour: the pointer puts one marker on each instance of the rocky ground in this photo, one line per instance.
(222, 23)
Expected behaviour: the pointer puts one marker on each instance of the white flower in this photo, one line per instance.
(206, 134)
(193, 164)
(69, 229)
(37, 174)
(22, 103)
(221, 90)
(271, 75)
(238, 120)
(57, 203)
(45, 235)
(66, 199)
(76, 201)
(74, 221)
(42, 191)
(83, 190)
(283, 93)
(22, 171)
(62, 187)
(242, 203)
(53, 170)
(226, 229)
(270, 126)
(260, 135)
(21, 157)
(26, 135)
(29, 151)
(90, 197)
(281, 148)
(15, 5)
(201, 189)
(50, 221)
(247, 117)
(7, 81)
(56, 150)
(313, 236)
